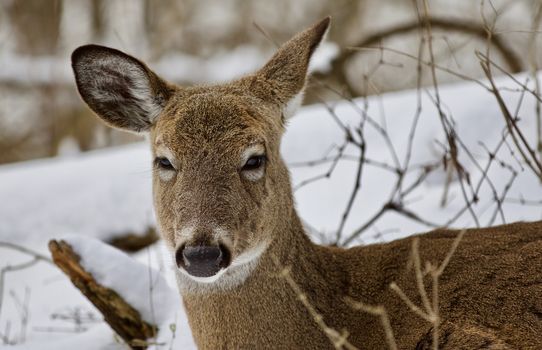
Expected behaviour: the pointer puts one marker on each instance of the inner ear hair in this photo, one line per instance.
(119, 88)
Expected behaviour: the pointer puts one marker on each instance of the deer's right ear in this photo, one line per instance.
(120, 89)
(283, 78)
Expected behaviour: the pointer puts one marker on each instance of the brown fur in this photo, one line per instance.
(490, 293)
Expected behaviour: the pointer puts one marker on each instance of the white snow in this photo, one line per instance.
(323, 56)
(478, 120)
(52, 293)
(100, 194)
(98, 337)
(141, 286)
(103, 193)
(68, 147)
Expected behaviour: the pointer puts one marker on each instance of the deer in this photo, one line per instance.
(225, 209)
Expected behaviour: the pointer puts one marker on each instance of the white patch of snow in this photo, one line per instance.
(141, 286)
(323, 56)
(98, 337)
(477, 116)
(293, 105)
(101, 194)
(68, 147)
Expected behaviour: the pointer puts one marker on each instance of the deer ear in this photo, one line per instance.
(285, 75)
(120, 89)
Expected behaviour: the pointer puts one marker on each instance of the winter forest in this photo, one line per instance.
(416, 116)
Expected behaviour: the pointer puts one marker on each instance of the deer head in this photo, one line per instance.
(220, 186)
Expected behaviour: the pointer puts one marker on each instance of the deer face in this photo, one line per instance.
(220, 186)
(216, 171)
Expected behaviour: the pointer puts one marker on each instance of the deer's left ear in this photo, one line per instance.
(119, 88)
(282, 80)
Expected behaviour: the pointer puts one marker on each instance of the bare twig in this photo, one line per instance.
(36, 257)
(523, 146)
(379, 311)
(477, 30)
(338, 340)
(430, 308)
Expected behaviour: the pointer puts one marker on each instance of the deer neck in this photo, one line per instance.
(266, 300)
(309, 264)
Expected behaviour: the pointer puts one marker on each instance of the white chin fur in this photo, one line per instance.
(234, 275)
(210, 279)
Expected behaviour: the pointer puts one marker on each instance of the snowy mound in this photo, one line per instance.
(100, 194)
(139, 285)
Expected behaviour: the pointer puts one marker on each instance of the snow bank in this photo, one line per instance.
(141, 286)
(98, 337)
(52, 293)
(101, 194)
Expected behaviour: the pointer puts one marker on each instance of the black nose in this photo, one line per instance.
(202, 260)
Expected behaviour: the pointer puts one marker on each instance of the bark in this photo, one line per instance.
(132, 243)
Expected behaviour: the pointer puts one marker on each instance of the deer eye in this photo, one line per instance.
(163, 163)
(254, 163)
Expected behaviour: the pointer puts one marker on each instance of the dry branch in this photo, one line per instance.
(339, 340)
(36, 257)
(527, 151)
(122, 317)
(512, 59)
(131, 242)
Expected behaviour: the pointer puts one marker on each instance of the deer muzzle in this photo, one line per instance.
(203, 260)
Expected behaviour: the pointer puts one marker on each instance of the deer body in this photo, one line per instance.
(490, 294)
(225, 208)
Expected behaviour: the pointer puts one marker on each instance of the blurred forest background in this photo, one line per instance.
(190, 42)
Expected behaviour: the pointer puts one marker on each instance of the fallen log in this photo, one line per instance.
(131, 242)
(122, 317)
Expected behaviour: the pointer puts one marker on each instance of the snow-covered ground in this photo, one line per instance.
(105, 193)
